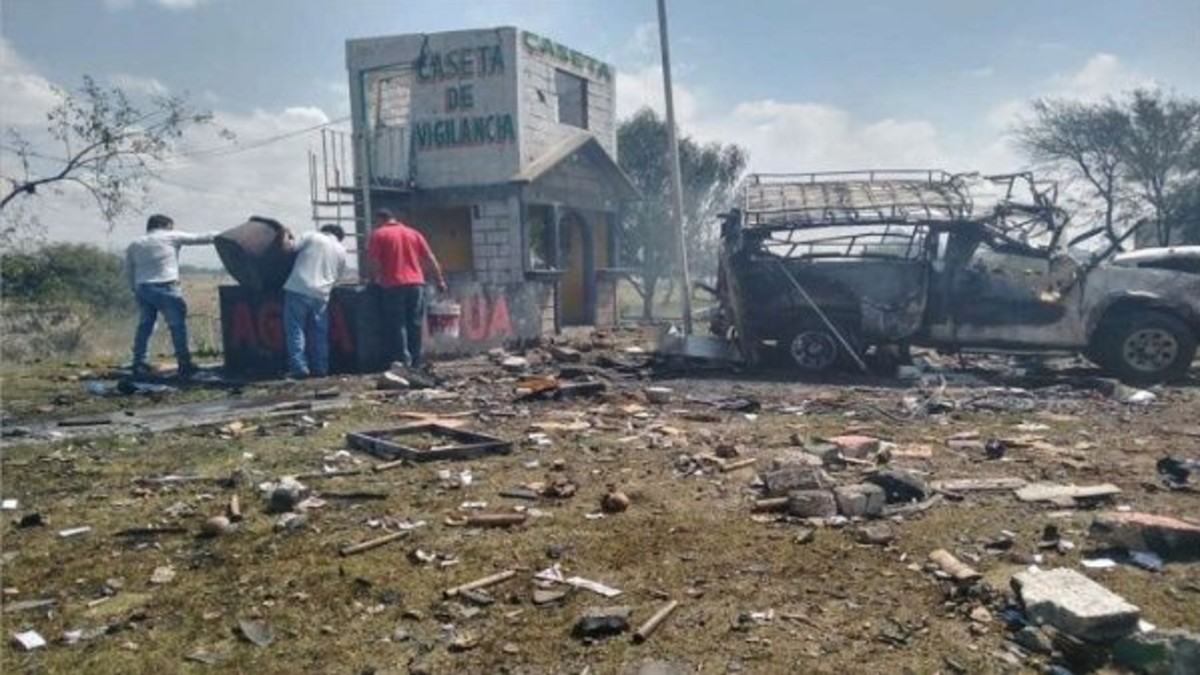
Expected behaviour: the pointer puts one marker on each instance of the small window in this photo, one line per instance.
(572, 99)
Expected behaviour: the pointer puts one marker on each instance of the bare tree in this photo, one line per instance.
(1085, 141)
(106, 145)
(1161, 153)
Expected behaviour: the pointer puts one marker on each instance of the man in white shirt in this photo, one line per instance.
(152, 267)
(320, 263)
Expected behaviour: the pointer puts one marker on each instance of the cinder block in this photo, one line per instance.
(860, 500)
(1171, 538)
(1074, 604)
(812, 504)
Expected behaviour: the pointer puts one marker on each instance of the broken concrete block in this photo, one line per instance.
(782, 481)
(1170, 538)
(860, 500)
(1159, 652)
(854, 445)
(900, 486)
(565, 354)
(1052, 492)
(875, 535)
(1074, 604)
(603, 621)
(812, 504)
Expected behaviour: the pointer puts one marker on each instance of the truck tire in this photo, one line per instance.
(813, 348)
(1146, 347)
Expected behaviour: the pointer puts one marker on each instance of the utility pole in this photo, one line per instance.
(676, 181)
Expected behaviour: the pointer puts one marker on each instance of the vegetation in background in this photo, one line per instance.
(1138, 158)
(709, 175)
(67, 274)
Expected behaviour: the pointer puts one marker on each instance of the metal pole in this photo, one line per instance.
(676, 181)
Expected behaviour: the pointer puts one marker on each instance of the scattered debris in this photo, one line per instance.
(1171, 538)
(465, 445)
(1065, 494)
(596, 622)
(29, 640)
(485, 582)
(372, 543)
(256, 631)
(954, 567)
(614, 501)
(164, 574)
(1074, 604)
(646, 629)
(70, 531)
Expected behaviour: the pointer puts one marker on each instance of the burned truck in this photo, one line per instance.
(820, 269)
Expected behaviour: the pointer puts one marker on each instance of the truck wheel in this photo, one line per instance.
(1147, 347)
(815, 349)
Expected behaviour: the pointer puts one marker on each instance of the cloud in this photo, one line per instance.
(27, 95)
(643, 87)
(1103, 75)
(173, 5)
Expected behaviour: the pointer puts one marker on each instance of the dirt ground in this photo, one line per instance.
(755, 595)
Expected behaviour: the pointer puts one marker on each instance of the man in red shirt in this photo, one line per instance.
(396, 254)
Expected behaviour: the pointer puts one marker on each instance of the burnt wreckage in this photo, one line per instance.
(822, 268)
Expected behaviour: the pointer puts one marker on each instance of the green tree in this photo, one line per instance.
(709, 174)
(108, 146)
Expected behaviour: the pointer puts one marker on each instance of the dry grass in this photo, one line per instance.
(689, 538)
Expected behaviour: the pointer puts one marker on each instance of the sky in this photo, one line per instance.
(802, 85)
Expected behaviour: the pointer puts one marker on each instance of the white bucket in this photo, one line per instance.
(444, 319)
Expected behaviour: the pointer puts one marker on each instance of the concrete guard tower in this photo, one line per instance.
(500, 145)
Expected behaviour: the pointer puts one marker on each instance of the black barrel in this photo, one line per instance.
(259, 253)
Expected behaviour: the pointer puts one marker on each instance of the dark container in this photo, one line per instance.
(259, 253)
(252, 331)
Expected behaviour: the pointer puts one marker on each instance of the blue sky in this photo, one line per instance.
(803, 85)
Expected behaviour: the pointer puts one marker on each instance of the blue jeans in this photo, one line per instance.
(166, 298)
(298, 311)
(403, 313)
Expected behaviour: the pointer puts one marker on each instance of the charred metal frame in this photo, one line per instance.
(468, 444)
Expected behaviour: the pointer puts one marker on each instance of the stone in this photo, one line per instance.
(614, 502)
(811, 504)
(900, 486)
(285, 495)
(603, 621)
(565, 354)
(786, 479)
(1159, 652)
(216, 526)
(291, 521)
(1170, 538)
(1074, 604)
(875, 535)
(855, 446)
(163, 575)
(860, 500)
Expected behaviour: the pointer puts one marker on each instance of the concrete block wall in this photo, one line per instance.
(538, 100)
(496, 241)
